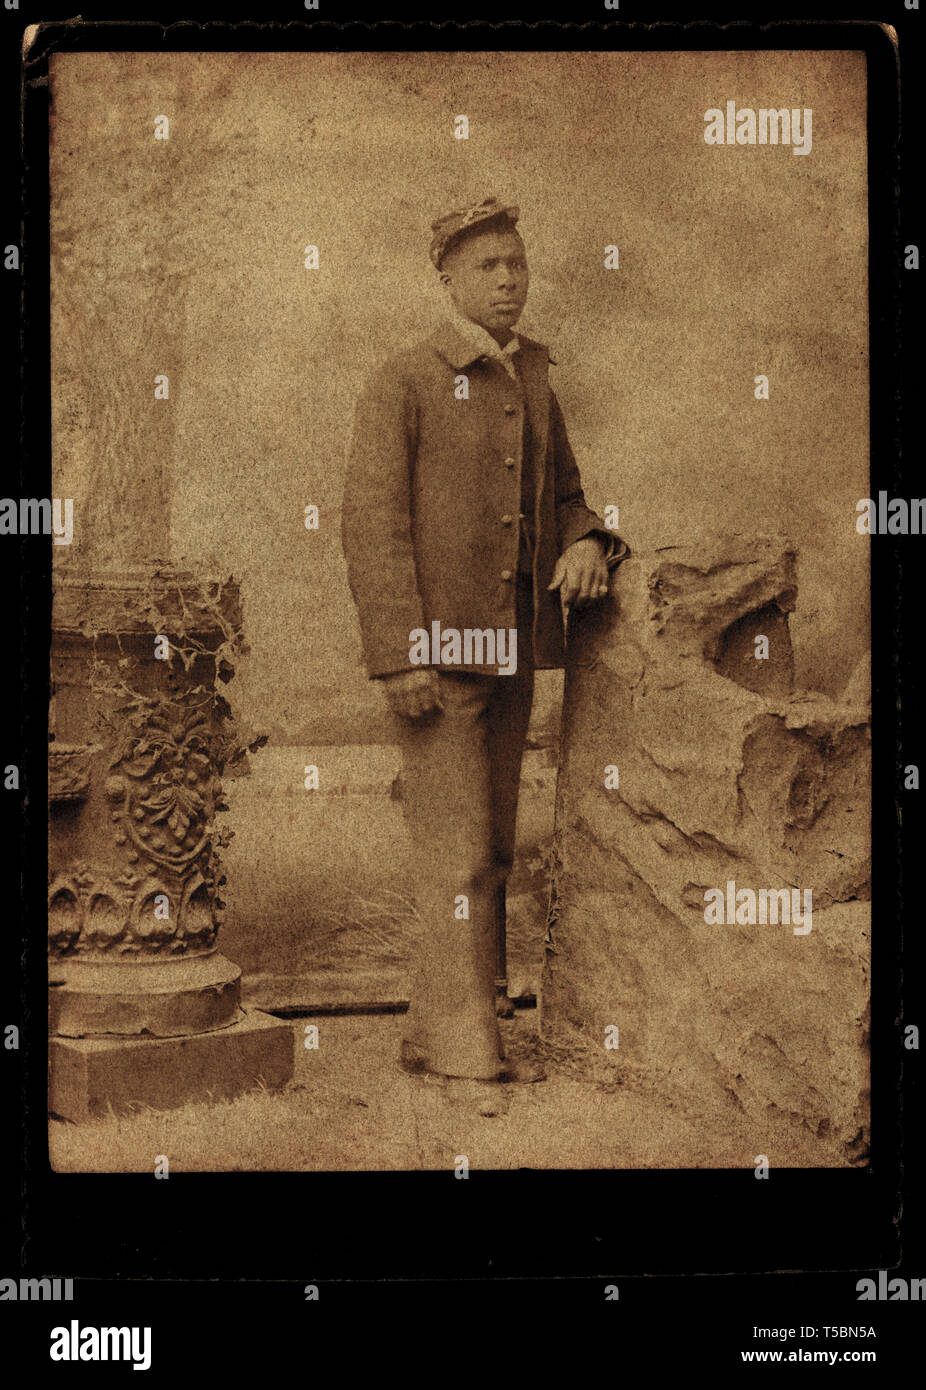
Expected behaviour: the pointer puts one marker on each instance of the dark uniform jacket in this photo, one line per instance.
(433, 494)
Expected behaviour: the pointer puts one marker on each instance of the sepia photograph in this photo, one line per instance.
(460, 721)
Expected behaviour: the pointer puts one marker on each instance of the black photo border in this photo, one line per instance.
(523, 1224)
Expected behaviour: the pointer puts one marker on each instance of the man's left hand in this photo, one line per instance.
(581, 572)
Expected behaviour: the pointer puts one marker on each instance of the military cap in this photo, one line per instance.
(446, 230)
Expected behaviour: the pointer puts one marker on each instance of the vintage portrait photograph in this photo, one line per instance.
(460, 722)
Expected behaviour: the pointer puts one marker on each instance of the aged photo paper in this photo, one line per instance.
(355, 352)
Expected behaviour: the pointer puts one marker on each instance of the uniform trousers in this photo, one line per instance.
(461, 772)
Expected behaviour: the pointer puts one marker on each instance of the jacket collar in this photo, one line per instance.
(459, 350)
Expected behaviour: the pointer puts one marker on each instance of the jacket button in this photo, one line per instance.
(509, 463)
(510, 409)
(506, 575)
(506, 520)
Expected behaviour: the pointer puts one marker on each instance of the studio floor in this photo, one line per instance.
(350, 1107)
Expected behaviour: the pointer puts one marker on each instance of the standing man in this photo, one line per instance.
(464, 513)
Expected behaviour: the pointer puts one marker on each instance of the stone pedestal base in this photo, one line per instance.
(87, 1075)
(143, 1007)
(161, 999)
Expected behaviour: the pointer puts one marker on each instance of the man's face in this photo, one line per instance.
(487, 277)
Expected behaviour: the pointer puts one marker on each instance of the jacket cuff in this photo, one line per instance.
(617, 549)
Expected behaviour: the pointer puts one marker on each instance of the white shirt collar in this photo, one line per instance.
(479, 337)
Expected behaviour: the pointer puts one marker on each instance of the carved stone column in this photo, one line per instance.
(143, 1005)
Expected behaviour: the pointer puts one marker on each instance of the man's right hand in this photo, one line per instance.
(413, 694)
